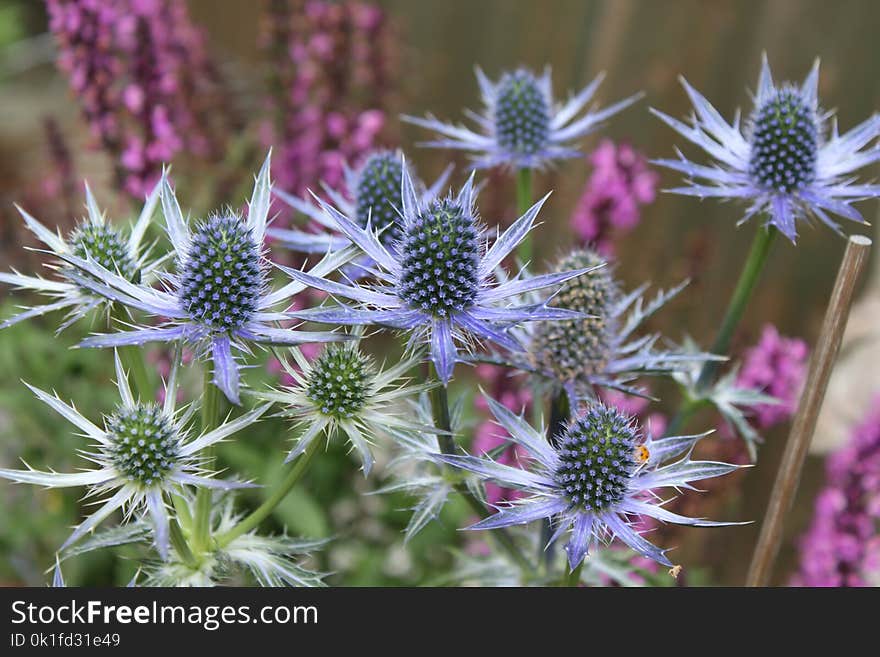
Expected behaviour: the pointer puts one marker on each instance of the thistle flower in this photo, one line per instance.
(781, 162)
(342, 391)
(144, 453)
(219, 297)
(521, 126)
(96, 239)
(438, 283)
(597, 483)
(371, 192)
(598, 348)
(271, 560)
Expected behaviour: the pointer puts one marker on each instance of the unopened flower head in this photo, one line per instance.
(278, 560)
(577, 349)
(521, 125)
(599, 346)
(143, 453)
(371, 194)
(219, 298)
(342, 391)
(94, 238)
(782, 161)
(600, 478)
(439, 282)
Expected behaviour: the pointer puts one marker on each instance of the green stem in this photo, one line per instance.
(523, 203)
(742, 293)
(132, 359)
(212, 409)
(560, 411)
(297, 468)
(573, 577)
(440, 411)
(752, 269)
(180, 545)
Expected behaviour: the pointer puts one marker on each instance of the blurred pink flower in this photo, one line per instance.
(610, 205)
(842, 545)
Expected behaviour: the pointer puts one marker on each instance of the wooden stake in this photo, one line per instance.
(821, 365)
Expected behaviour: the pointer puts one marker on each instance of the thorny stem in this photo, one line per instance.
(440, 411)
(748, 278)
(297, 468)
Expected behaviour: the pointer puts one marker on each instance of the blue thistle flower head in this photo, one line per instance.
(94, 239)
(371, 194)
(522, 113)
(440, 259)
(597, 458)
(219, 298)
(785, 142)
(439, 281)
(522, 127)
(593, 481)
(377, 193)
(784, 162)
(222, 275)
(143, 454)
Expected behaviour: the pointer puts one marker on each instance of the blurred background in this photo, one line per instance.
(209, 84)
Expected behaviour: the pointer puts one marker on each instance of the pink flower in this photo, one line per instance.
(775, 366)
(610, 205)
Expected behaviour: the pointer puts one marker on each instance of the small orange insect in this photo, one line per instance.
(642, 454)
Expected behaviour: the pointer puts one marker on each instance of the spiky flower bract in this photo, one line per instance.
(93, 238)
(144, 453)
(596, 480)
(782, 161)
(219, 297)
(439, 282)
(371, 194)
(414, 469)
(342, 391)
(270, 560)
(522, 127)
(599, 348)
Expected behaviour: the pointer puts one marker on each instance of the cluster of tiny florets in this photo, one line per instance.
(106, 246)
(339, 381)
(221, 279)
(576, 349)
(784, 142)
(522, 113)
(440, 251)
(377, 196)
(597, 458)
(144, 443)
